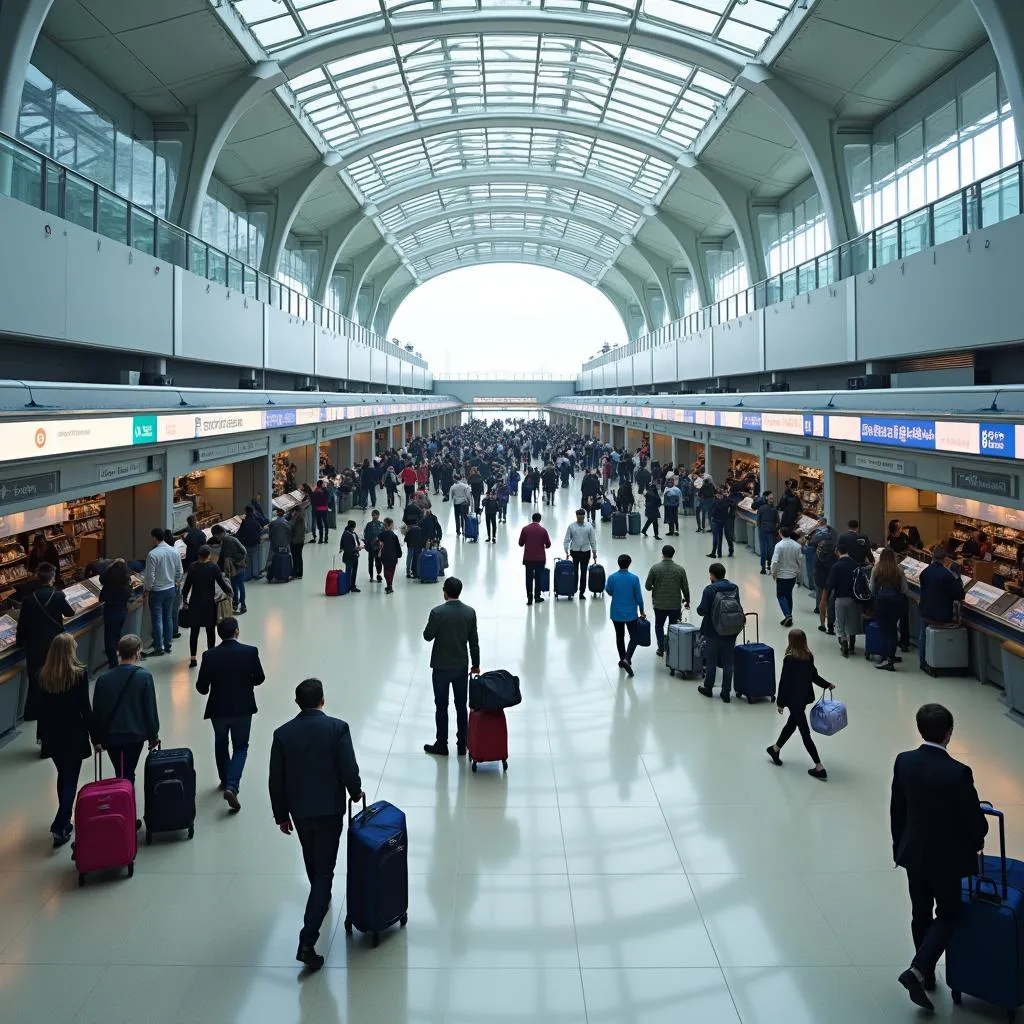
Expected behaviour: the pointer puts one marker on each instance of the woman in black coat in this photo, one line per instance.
(64, 719)
(199, 592)
(652, 504)
(115, 594)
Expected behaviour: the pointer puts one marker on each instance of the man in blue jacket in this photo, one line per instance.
(716, 628)
(627, 608)
(940, 590)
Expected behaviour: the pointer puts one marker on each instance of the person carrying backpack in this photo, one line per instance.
(721, 622)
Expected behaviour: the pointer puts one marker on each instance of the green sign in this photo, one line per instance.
(144, 430)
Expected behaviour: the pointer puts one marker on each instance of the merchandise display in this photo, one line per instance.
(811, 488)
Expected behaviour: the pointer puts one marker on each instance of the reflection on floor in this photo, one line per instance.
(641, 862)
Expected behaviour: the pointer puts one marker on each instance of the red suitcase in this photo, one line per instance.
(488, 738)
(105, 832)
(337, 583)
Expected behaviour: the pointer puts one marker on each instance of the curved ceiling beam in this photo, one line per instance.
(290, 197)
(686, 238)
(337, 237)
(642, 142)
(621, 304)
(1003, 20)
(21, 21)
(400, 292)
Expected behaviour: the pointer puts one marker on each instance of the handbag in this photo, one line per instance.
(225, 606)
(828, 716)
(184, 617)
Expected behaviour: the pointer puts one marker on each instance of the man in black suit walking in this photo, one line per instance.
(452, 628)
(312, 764)
(229, 673)
(937, 830)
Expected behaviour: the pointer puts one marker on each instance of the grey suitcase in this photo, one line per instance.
(946, 651)
(683, 653)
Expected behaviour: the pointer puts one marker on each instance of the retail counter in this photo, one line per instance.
(86, 626)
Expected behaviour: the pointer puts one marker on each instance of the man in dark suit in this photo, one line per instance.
(312, 764)
(940, 590)
(937, 830)
(452, 628)
(229, 673)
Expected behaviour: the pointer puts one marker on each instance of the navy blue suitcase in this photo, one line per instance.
(280, 568)
(378, 869)
(545, 580)
(607, 508)
(985, 956)
(428, 566)
(471, 527)
(643, 632)
(565, 578)
(754, 667)
(619, 528)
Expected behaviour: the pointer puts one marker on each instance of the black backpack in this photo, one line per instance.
(861, 584)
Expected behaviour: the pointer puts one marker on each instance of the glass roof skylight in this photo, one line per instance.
(498, 251)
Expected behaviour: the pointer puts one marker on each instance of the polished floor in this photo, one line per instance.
(641, 863)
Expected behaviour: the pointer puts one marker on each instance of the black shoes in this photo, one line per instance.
(764, 571)
(886, 666)
(726, 699)
(309, 958)
(915, 989)
(787, 621)
(844, 647)
(818, 773)
(62, 838)
(231, 799)
(774, 755)
(437, 749)
(354, 590)
(705, 690)
(538, 599)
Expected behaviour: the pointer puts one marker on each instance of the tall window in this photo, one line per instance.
(727, 273)
(791, 237)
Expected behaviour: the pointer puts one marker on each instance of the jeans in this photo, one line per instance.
(704, 512)
(253, 569)
(581, 559)
(238, 588)
(931, 934)
(717, 532)
(461, 511)
(412, 556)
(230, 766)
(672, 616)
(114, 617)
(320, 521)
(67, 786)
(125, 760)
(297, 560)
(193, 638)
(784, 595)
(766, 543)
(534, 571)
(319, 839)
(719, 650)
(458, 681)
(621, 628)
(798, 720)
(161, 613)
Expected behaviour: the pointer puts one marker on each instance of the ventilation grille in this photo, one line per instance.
(952, 361)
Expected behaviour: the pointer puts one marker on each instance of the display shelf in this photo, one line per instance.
(982, 595)
(12, 575)
(11, 553)
(811, 488)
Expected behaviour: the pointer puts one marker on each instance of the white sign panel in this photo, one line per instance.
(958, 437)
(782, 423)
(35, 439)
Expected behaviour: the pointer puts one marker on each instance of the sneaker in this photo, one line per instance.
(773, 754)
(538, 599)
(380, 579)
(175, 636)
(231, 799)
(354, 590)
(157, 652)
(818, 773)
(788, 621)
(705, 691)
(389, 590)
(192, 662)
(711, 554)
(822, 629)
(310, 958)
(886, 666)
(61, 838)
(438, 749)
(831, 631)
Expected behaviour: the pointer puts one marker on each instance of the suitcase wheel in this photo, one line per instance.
(81, 880)
(348, 926)
(131, 869)
(504, 766)
(376, 939)
(191, 831)
(403, 920)
(473, 765)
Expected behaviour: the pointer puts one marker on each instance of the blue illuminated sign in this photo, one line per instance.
(274, 418)
(751, 421)
(897, 433)
(997, 439)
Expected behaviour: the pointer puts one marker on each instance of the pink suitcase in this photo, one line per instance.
(105, 833)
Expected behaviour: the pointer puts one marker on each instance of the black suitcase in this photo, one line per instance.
(619, 529)
(170, 792)
(377, 886)
(596, 579)
(280, 568)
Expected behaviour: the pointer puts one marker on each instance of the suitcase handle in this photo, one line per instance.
(981, 878)
(350, 804)
(757, 626)
(97, 766)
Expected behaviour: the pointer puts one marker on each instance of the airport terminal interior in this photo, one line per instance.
(802, 219)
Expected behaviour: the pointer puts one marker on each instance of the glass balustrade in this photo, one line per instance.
(34, 179)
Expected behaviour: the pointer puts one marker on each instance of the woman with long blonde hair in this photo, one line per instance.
(64, 718)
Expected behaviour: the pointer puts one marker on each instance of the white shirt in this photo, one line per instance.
(460, 493)
(787, 561)
(580, 536)
(163, 568)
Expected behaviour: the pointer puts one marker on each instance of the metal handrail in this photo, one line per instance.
(964, 211)
(72, 196)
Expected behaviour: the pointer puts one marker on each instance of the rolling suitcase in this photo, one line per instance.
(336, 583)
(377, 887)
(488, 738)
(946, 651)
(754, 667)
(280, 568)
(607, 508)
(565, 578)
(471, 528)
(527, 491)
(985, 956)
(682, 654)
(634, 524)
(872, 640)
(442, 554)
(544, 580)
(170, 792)
(105, 833)
(619, 525)
(596, 579)
(428, 566)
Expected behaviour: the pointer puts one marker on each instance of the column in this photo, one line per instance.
(345, 452)
(828, 481)
(716, 461)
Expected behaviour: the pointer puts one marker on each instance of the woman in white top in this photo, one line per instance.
(787, 568)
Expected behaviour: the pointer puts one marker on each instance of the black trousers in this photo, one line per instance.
(798, 720)
(661, 617)
(533, 574)
(491, 522)
(648, 524)
(581, 559)
(351, 563)
(125, 759)
(297, 560)
(193, 638)
(621, 629)
(320, 839)
(932, 890)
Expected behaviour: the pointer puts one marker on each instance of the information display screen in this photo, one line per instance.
(982, 596)
(80, 597)
(912, 568)
(1015, 615)
(8, 630)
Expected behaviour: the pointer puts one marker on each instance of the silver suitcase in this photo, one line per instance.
(946, 651)
(683, 653)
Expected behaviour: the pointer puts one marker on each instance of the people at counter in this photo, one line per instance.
(896, 538)
(767, 517)
(297, 541)
(199, 595)
(889, 592)
(977, 547)
(115, 593)
(41, 619)
(858, 547)
(940, 591)
(161, 578)
(194, 539)
(232, 561)
(791, 508)
(124, 712)
(64, 718)
(43, 551)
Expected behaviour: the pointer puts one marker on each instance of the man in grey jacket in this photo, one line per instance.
(580, 544)
(460, 495)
